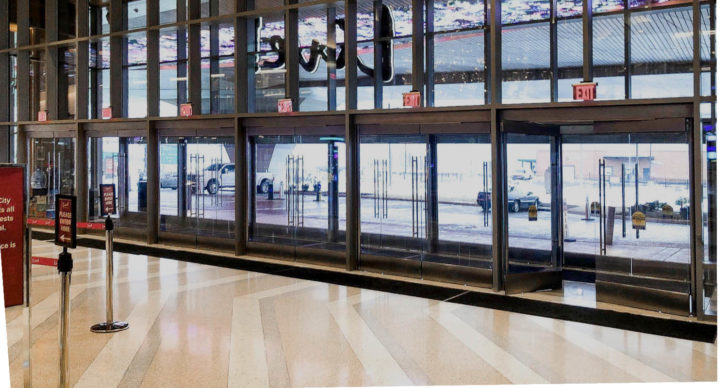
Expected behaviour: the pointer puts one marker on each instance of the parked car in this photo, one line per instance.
(522, 174)
(215, 177)
(517, 200)
(168, 180)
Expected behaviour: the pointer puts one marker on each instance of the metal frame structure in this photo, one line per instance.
(491, 110)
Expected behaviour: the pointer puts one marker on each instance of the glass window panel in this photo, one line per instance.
(609, 56)
(655, 3)
(67, 19)
(99, 85)
(567, 8)
(599, 6)
(707, 41)
(270, 73)
(459, 68)
(662, 53)
(98, 18)
(312, 29)
(38, 86)
(136, 14)
(402, 80)
(519, 11)
(526, 63)
(458, 14)
(570, 56)
(67, 81)
(137, 92)
(172, 70)
(168, 11)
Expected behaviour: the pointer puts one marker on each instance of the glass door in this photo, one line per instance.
(394, 210)
(626, 212)
(52, 172)
(459, 248)
(532, 211)
(299, 207)
(123, 162)
(197, 190)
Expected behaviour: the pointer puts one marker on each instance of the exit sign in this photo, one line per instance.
(106, 113)
(285, 105)
(585, 91)
(411, 99)
(185, 110)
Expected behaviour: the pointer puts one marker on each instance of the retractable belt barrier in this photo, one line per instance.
(64, 263)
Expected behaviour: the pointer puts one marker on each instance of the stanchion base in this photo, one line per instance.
(109, 327)
(569, 240)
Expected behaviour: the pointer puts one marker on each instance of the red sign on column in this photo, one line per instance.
(285, 105)
(411, 99)
(42, 115)
(66, 221)
(108, 199)
(185, 110)
(12, 231)
(106, 113)
(586, 91)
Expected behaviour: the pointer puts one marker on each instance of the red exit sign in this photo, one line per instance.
(285, 105)
(106, 113)
(185, 110)
(585, 91)
(411, 99)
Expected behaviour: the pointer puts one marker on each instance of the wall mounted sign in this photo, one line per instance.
(108, 199)
(585, 91)
(412, 99)
(66, 221)
(106, 113)
(42, 115)
(533, 213)
(639, 221)
(185, 110)
(12, 231)
(285, 105)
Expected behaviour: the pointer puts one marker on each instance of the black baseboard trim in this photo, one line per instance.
(690, 330)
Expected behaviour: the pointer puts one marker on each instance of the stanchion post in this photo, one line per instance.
(65, 265)
(110, 326)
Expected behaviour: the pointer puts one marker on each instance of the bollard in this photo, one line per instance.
(110, 326)
(65, 265)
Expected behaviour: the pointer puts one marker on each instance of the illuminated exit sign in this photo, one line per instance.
(585, 91)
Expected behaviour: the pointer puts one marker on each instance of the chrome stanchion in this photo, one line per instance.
(65, 265)
(110, 326)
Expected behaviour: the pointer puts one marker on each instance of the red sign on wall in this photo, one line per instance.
(106, 113)
(42, 115)
(285, 105)
(66, 221)
(12, 231)
(586, 91)
(185, 110)
(412, 99)
(108, 200)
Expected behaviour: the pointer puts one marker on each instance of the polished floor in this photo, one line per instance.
(193, 325)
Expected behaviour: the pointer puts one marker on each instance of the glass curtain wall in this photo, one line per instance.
(218, 68)
(121, 161)
(299, 192)
(197, 190)
(266, 62)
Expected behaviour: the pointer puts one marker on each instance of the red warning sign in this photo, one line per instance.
(12, 231)
(108, 199)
